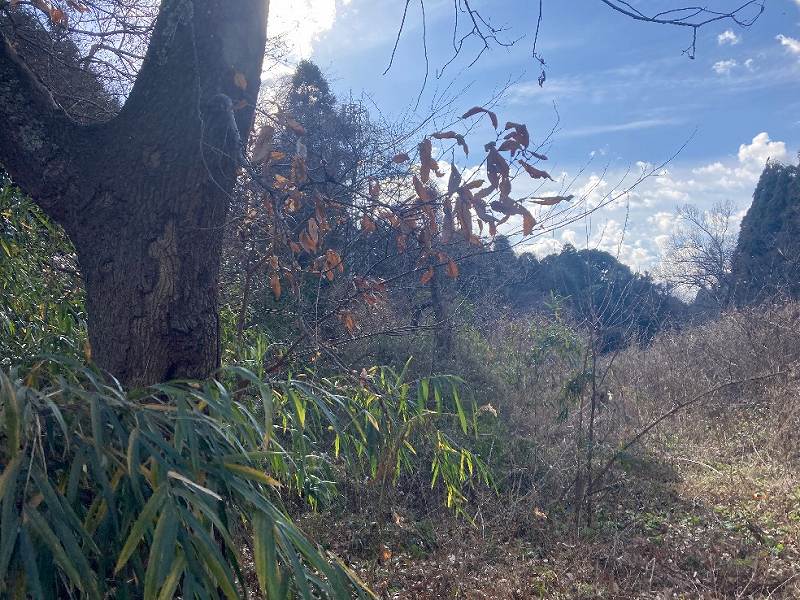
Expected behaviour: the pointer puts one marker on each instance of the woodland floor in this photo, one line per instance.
(689, 526)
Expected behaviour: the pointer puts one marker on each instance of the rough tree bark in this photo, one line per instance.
(144, 197)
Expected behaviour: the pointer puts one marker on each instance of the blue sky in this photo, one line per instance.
(627, 96)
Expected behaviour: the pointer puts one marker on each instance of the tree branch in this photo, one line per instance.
(199, 49)
(37, 138)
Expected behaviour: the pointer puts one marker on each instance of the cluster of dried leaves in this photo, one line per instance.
(426, 216)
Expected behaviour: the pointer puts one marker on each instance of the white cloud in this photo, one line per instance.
(760, 149)
(302, 22)
(616, 127)
(542, 246)
(640, 235)
(724, 67)
(750, 64)
(792, 44)
(728, 37)
(663, 221)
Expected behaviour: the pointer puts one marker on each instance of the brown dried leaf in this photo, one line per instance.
(420, 189)
(551, 200)
(262, 148)
(426, 160)
(367, 224)
(307, 243)
(452, 269)
(534, 172)
(479, 109)
(348, 320)
(454, 182)
(539, 156)
(402, 242)
(401, 158)
(282, 182)
(528, 222)
(295, 126)
(333, 262)
(313, 230)
(426, 276)
(275, 284)
(299, 172)
(520, 133)
(58, 17)
(510, 145)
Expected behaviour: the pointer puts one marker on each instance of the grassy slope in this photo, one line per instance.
(686, 523)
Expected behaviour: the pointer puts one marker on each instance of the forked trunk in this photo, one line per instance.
(144, 197)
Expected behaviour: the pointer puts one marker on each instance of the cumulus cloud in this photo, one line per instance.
(756, 153)
(724, 67)
(728, 37)
(640, 236)
(791, 44)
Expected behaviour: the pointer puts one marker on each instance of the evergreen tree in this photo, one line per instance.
(766, 263)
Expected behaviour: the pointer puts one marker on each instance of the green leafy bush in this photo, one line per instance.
(106, 493)
(41, 297)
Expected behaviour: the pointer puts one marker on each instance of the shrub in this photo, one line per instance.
(145, 493)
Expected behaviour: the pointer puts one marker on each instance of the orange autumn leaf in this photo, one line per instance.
(275, 284)
(367, 224)
(307, 243)
(452, 269)
(528, 222)
(58, 17)
(348, 320)
(426, 276)
(333, 262)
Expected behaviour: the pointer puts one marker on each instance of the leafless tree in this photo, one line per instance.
(700, 251)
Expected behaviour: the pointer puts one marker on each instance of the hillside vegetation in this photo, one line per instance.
(312, 362)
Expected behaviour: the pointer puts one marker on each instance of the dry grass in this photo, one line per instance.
(706, 506)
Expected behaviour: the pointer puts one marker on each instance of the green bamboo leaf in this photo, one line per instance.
(9, 525)
(299, 407)
(11, 414)
(142, 524)
(32, 583)
(43, 531)
(173, 578)
(61, 510)
(300, 577)
(75, 474)
(162, 551)
(9, 476)
(462, 417)
(265, 558)
(216, 568)
(198, 502)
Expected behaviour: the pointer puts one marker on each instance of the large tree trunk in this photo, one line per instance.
(144, 197)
